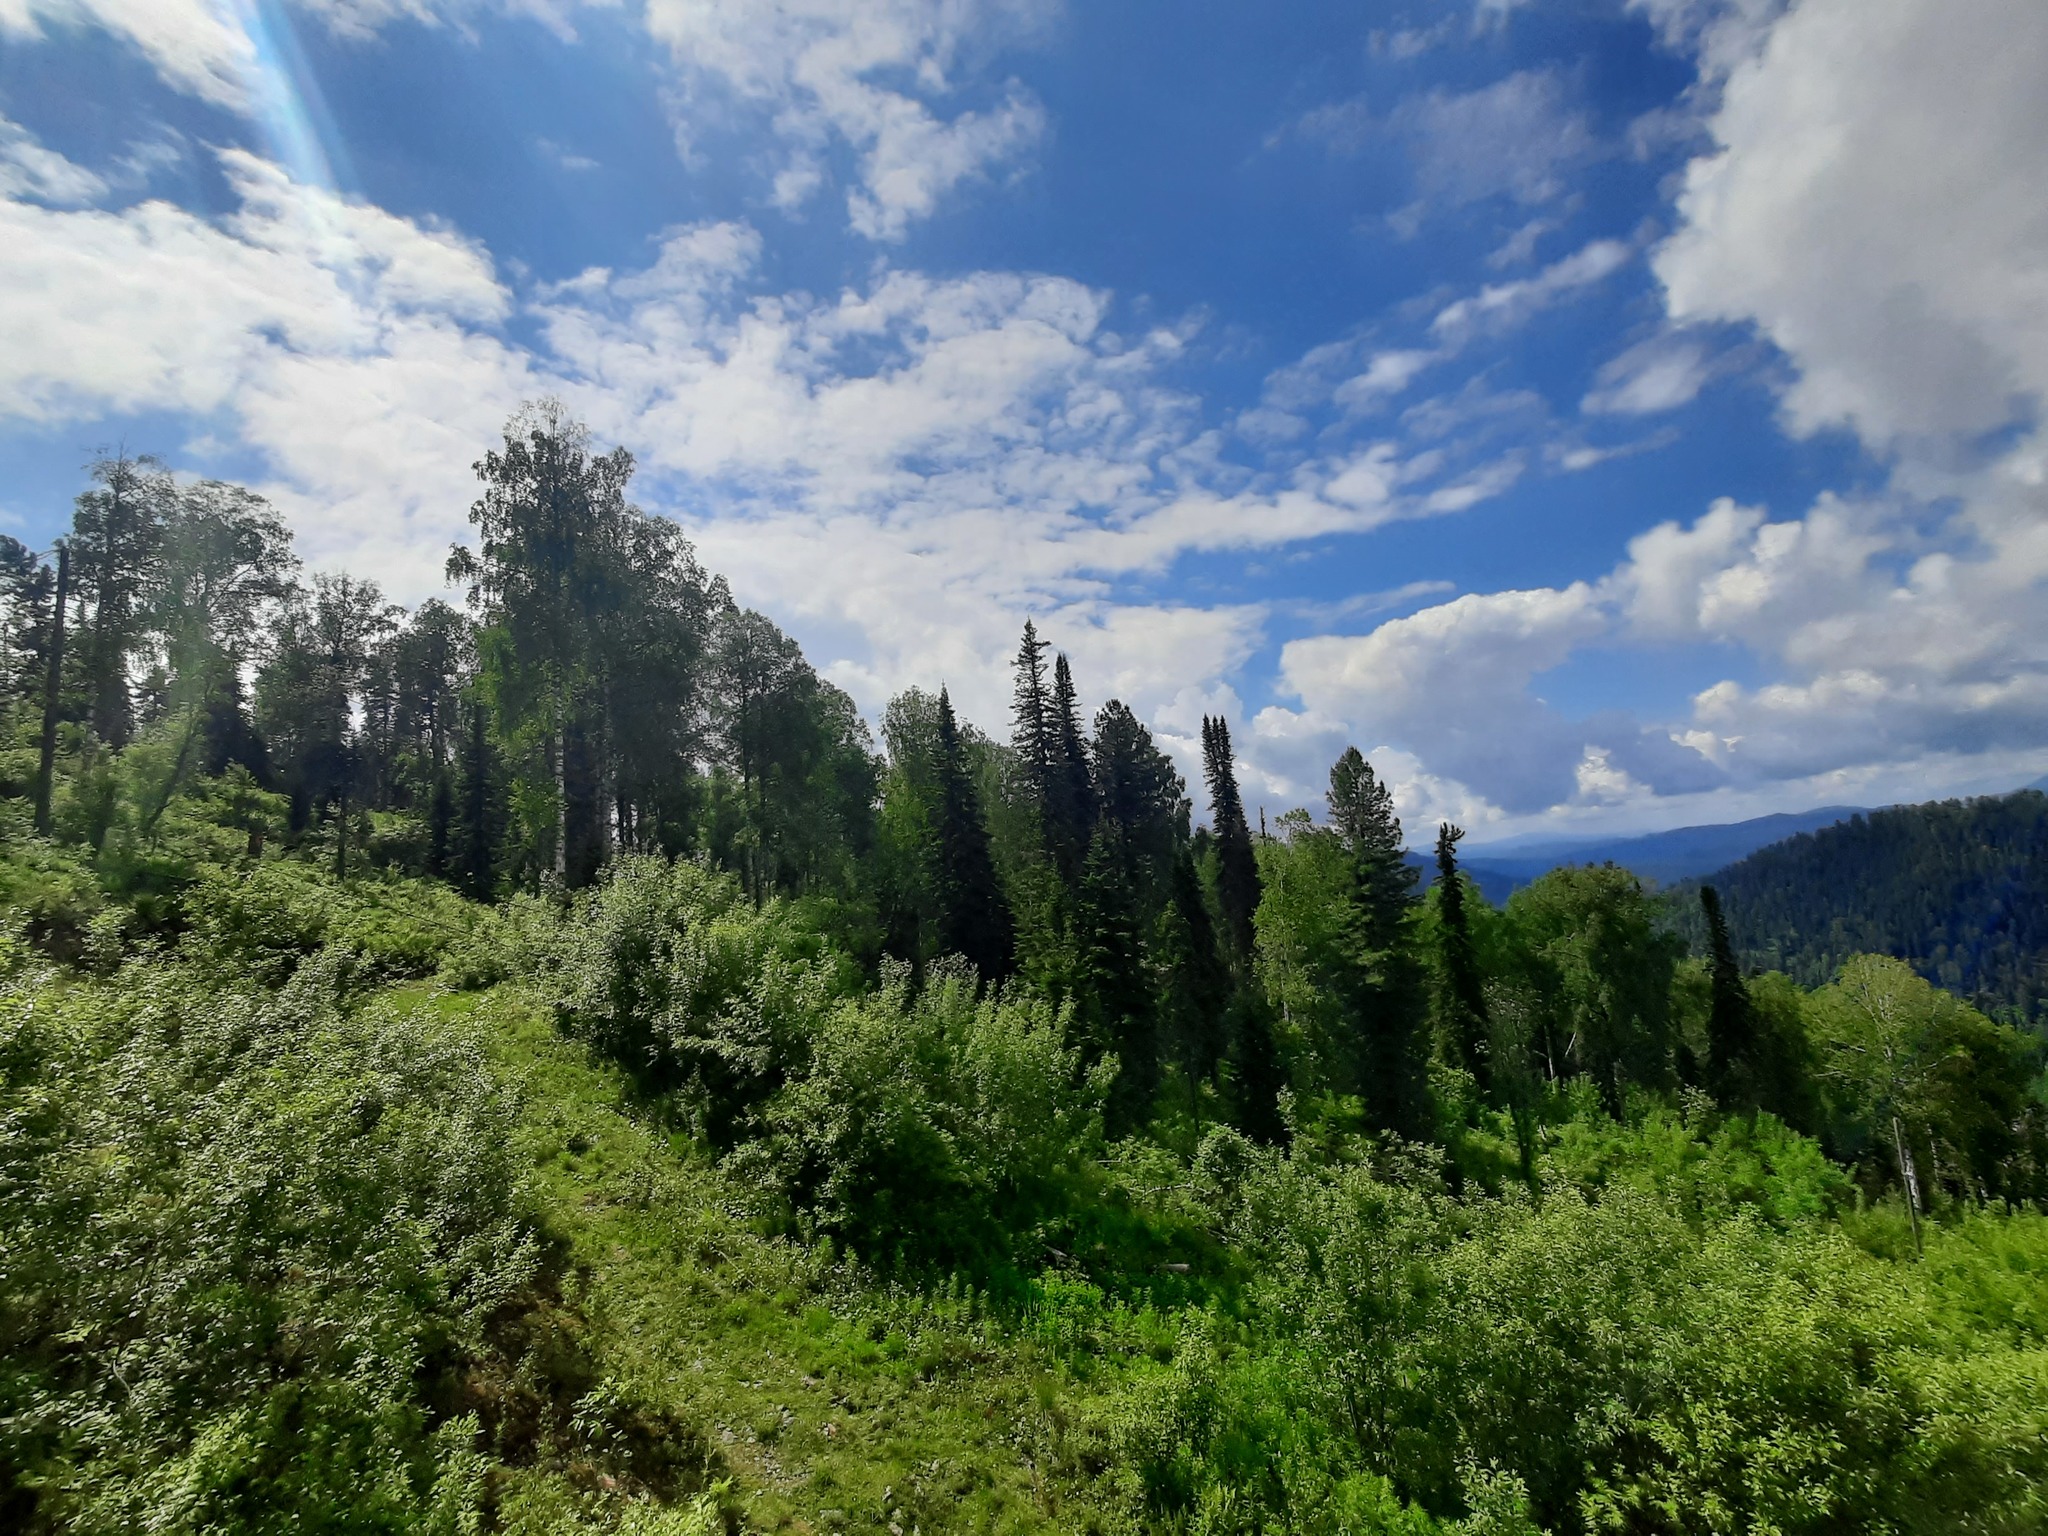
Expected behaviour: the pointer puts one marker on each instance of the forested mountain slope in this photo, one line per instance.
(536, 1067)
(1957, 888)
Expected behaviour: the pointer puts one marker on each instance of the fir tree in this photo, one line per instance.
(974, 920)
(1382, 983)
(1462, 992)
(1237, 867)
(1115, 997)
(1255, 1073)
(1028, 712)
(1731, 1021)
(479, 811)
(116, 540)
(1139, 794)
(1195, 984)
(1070, 806)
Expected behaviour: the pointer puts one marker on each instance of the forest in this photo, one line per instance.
(538, 1063)
(1957, 888)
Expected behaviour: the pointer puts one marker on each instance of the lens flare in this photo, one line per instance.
(285, 100)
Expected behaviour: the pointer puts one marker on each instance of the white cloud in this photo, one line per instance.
(1451, 684)
(1720, 34)
(1902, 636)
(30, 169)
(1516, 138)
(1873, 208)
(198, 46)
(1659, 374)
(880, 76)
(1503, 306)
(902, 471)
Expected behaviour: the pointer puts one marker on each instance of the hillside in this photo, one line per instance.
(1957, 888)
(537, 1068)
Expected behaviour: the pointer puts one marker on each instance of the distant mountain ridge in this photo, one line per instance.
(1662, 857)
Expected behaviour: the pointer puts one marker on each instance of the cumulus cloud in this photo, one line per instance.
(1451, 684)
(903, 470)
(1869, 206)
(1873, 208)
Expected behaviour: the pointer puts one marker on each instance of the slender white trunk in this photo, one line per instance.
(1911, 1176)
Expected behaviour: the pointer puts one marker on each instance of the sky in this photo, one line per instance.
(1607, 414)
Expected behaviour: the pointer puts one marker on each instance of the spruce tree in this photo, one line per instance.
(1194, 979)
(1731, 1021)
(1114, 994)
(1256, 1077)
(1070, 806)
(1139, 794)
(1028, 713)
(1461, 999)
(1381, 982)
(1237, 867)
(974, 919)
(479, 821)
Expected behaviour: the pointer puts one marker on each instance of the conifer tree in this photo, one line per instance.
(1382, 983)
(1028, 712)
(479, 811)
(1113, 988)
(1462, 993)
(1237, 867)
(1139, 794)
(1195, 983)
(1070, 806)
(974, 920)
(1255, 1071)
(1731, 1021)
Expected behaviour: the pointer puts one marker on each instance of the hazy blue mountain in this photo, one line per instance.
(1663, 857)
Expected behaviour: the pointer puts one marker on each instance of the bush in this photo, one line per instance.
(671, 971)
(249, 1239)
(263, 921)
(1634, 1365)
(936, 1126)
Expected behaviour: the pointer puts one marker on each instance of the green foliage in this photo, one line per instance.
(1916, 1078)
(671, 971)
(1599, 965)
(1958, 889)
(1628, 1367)
(251, 1239)
(955, 1141)
(935, 1127)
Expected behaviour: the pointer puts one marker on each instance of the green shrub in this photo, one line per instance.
(938, 1125)
(668, 968)
(248, 1239)
(1636, 1361)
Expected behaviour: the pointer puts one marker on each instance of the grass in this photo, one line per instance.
(827, 1403)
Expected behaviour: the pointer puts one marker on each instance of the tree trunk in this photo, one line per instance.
(561, 746)
(341, 835)
(51, 685)
(1911, 1177)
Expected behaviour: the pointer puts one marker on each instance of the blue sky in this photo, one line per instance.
(1606, 413)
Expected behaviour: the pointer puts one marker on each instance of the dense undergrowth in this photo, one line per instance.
(358, 1207)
